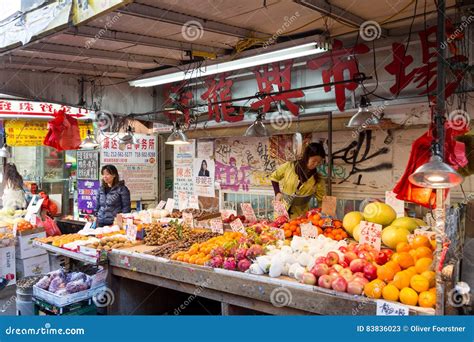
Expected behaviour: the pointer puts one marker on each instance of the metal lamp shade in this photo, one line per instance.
(436, 175)
(257, 129)
(177, 137)
(363, 117)
(89, 142)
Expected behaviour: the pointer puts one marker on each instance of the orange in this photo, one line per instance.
(402, 247)
(411, 271)
(419, 283)
(374, 289)
(390, 292)
(421, 240)
(433, 290)
(423, 264)
(433, 244)
(408, 296)
(385, 273)
(423, 252)
(427, 299)
(406, 260)
(395, 257)
(401, 279)
(413, 254)
(431, 276)
(394, 266)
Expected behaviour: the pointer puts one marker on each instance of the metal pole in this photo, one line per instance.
(440, 219)
(330, 153)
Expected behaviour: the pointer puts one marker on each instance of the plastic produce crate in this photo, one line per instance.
(62, 301)
(85, 307)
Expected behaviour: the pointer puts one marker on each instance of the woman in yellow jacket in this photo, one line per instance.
(295, 183)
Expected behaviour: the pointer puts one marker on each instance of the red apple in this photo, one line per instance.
(387, 252)
(362, 280)
(381, 258)
(321, 260)
(349, 256)
(357, 265)
(358, 274)
(351, 247)
(325, 281)
(370, 271)
(343, 263)
(339, 284)
(338, 268)
(346, 274)
(332, 258)
(366, 255)
(308, 278)
(320, 269)
(343, 249)
(355, 287)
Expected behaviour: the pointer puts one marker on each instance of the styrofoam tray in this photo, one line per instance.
(61, 301)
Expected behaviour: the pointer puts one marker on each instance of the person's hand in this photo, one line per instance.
(278, 197)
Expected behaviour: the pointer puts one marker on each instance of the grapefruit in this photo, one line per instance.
(379, 213)
(351, 220)
(356, 232)
(391, 236)
(405, 222)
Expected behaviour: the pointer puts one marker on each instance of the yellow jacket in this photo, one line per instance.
(288, 179)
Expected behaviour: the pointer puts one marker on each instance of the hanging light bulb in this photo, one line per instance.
(128, 137)
(363, 117)
(4, 153)
(436, 174)
(89, 142)
(257, 129)
(177, 136)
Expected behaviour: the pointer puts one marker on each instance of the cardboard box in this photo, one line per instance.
(25, 248)
(7, 264)
(32, 266)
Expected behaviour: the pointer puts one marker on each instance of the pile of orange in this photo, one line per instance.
(200, 253)
(328, 227)
(408, 277)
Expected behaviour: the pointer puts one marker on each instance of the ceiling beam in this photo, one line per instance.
(95, 53)
(167, 16)
(137, 39)
(323, 7)
(31, 63)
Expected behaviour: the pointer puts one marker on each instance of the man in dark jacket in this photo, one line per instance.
(114, 197)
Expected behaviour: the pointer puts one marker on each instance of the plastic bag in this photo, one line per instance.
(48, 205)
(44, 282)
(50, 227)
(56, 284)
(76, 286)
(63, 132)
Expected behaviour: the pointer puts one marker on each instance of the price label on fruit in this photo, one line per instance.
(248, 212)
(217, 226)
(371, 234)
(161, 205)
(279, 210)
(182, 200)
(329, 205)
(279, 233)
(131, 231)
(188, 220)
(169, 205)
(237, 226)
(308, 230)
(398, 205)
(391, 309)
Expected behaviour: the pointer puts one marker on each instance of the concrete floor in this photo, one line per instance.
(7, 301)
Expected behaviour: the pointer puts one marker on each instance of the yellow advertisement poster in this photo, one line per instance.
(32, 133)
(87, 9)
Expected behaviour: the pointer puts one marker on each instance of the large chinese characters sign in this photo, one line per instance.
(16, 109)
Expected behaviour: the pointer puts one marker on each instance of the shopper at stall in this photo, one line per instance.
(13, 194)
(295, 183)
(114, 197)
(203, 172)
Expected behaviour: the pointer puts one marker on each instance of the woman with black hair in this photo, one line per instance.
(204, 172)
(295, 183)
(114, 197)
(13, 194)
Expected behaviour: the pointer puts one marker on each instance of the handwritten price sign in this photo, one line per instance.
(169, 205)
(308, 231)
(161, 205)
(279, 210)
(371, 234)
(329, 205)
(279, 233)
(237, 226)
(188, 220)
(248, 212)
(395, 203)
(391, 309)
(217, 226)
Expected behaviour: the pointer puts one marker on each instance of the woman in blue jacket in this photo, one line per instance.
(114, 197)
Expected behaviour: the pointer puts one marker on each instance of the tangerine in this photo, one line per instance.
(423, 264)
(419, 283)
(390, 292)
(394, 266)
(421, 240)
(423, 252)
(408, 296)
(401, 279)
(431, 276)
(385, 273)
(406, 260)
(427, 299)
(374, 289)
(403, 247)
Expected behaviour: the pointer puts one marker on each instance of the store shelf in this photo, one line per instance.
(70, 254)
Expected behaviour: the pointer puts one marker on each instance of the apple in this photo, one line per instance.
(366, 255)
(388, 252)
(338, 268)
(320, 269)
(308, 278)
(357, 265)
(325, 281)
(358, 274)
(370, 271)
(381, 258)
(346, 274)
(352, 246)
(321, 260)
(362, 280)
(343, 263)
(349, 256)
(343, 249)
(355, 287)
(332, 258)
(339, 284)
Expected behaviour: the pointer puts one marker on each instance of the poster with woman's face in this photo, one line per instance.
(204, 177)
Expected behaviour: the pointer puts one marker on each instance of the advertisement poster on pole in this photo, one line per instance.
(87, 192)
(183, 170)
(204, 177)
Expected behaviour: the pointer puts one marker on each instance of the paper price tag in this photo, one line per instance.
(15, 228)
(217, 226)
(279, 210)
(248, 212)
(279, 233)
(428, 233)
(371, 234)
(391, 309)
(131, 231)
(146, 217)
(193, 202)
(329, 205)
(188, 220)
(169, 205)
(395, 203)
(225, 213)
(308, 231)
(87, 226)
(182, 200)
(237, 226)
(34, 208)
(161, 205)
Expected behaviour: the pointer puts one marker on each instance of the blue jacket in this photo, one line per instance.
(111, 203)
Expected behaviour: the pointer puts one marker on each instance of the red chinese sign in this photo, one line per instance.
(177, 96)
(27, 109)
